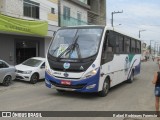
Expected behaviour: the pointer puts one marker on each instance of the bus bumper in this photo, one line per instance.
(86, 85)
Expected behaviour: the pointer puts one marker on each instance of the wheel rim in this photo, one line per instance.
(106, 87)
(34, 78)
(7, 80)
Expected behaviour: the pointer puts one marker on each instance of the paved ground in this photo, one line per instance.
(137, 96)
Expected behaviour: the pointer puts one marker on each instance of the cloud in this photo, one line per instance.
(146, 10)
(137, 15)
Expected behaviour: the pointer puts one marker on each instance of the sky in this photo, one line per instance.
(137, 15)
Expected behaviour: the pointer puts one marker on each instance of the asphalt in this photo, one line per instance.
(137, 96)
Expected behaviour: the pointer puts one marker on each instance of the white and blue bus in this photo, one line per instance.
(91, 59)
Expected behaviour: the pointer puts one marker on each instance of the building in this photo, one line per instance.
(82, 12)
(26, 28)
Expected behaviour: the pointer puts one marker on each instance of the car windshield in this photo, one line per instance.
(32, 62)
(76, 43)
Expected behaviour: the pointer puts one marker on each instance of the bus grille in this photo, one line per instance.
(79, 86)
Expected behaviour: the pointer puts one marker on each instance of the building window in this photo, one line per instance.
(66, 13)
(52, 10)
(31, 9)
(79, 18)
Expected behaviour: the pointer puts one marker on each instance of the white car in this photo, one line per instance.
(31, 70)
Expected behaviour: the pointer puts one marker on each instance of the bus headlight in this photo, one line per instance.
(91, 73)
(48, 70)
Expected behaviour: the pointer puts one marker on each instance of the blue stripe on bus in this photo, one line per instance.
(137, 69)
(88, 81)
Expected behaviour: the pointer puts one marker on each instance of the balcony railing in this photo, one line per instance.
(70, 21)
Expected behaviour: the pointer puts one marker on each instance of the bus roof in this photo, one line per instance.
(84, 26)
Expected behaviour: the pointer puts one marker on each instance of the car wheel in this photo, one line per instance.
(34, 78)
(130, 80)
(7, 80)
(105, 89)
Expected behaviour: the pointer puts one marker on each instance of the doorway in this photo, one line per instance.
(26, 49)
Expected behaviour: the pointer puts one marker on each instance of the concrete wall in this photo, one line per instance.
(7, 49)
(41, 47)
(47, 43)
(103, 12)
(2, 6)
(95, 6)
(15, 8)
(99, 15)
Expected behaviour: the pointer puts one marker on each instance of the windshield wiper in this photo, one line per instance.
(70, 48)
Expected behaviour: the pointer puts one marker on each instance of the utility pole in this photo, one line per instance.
(140, 32)
(116, 26)
(113, 14)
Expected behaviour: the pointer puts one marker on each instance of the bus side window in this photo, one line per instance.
(138, 47)
(133, 46)
(112, 38)
(127, 45)
(108, 46)
(120, 44)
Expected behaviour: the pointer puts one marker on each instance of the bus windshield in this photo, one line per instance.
(76, 43)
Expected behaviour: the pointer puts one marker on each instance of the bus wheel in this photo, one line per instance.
(105, 89)
(130, 80)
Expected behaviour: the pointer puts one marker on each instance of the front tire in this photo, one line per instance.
(34, 78)
(7, 80)
(105, 89)
(130, 80)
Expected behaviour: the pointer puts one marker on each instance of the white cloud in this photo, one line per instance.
(144, 11)
(137, 15)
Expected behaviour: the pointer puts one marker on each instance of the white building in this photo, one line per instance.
(20, 45)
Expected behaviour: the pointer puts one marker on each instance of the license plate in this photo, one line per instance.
(64, 82)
